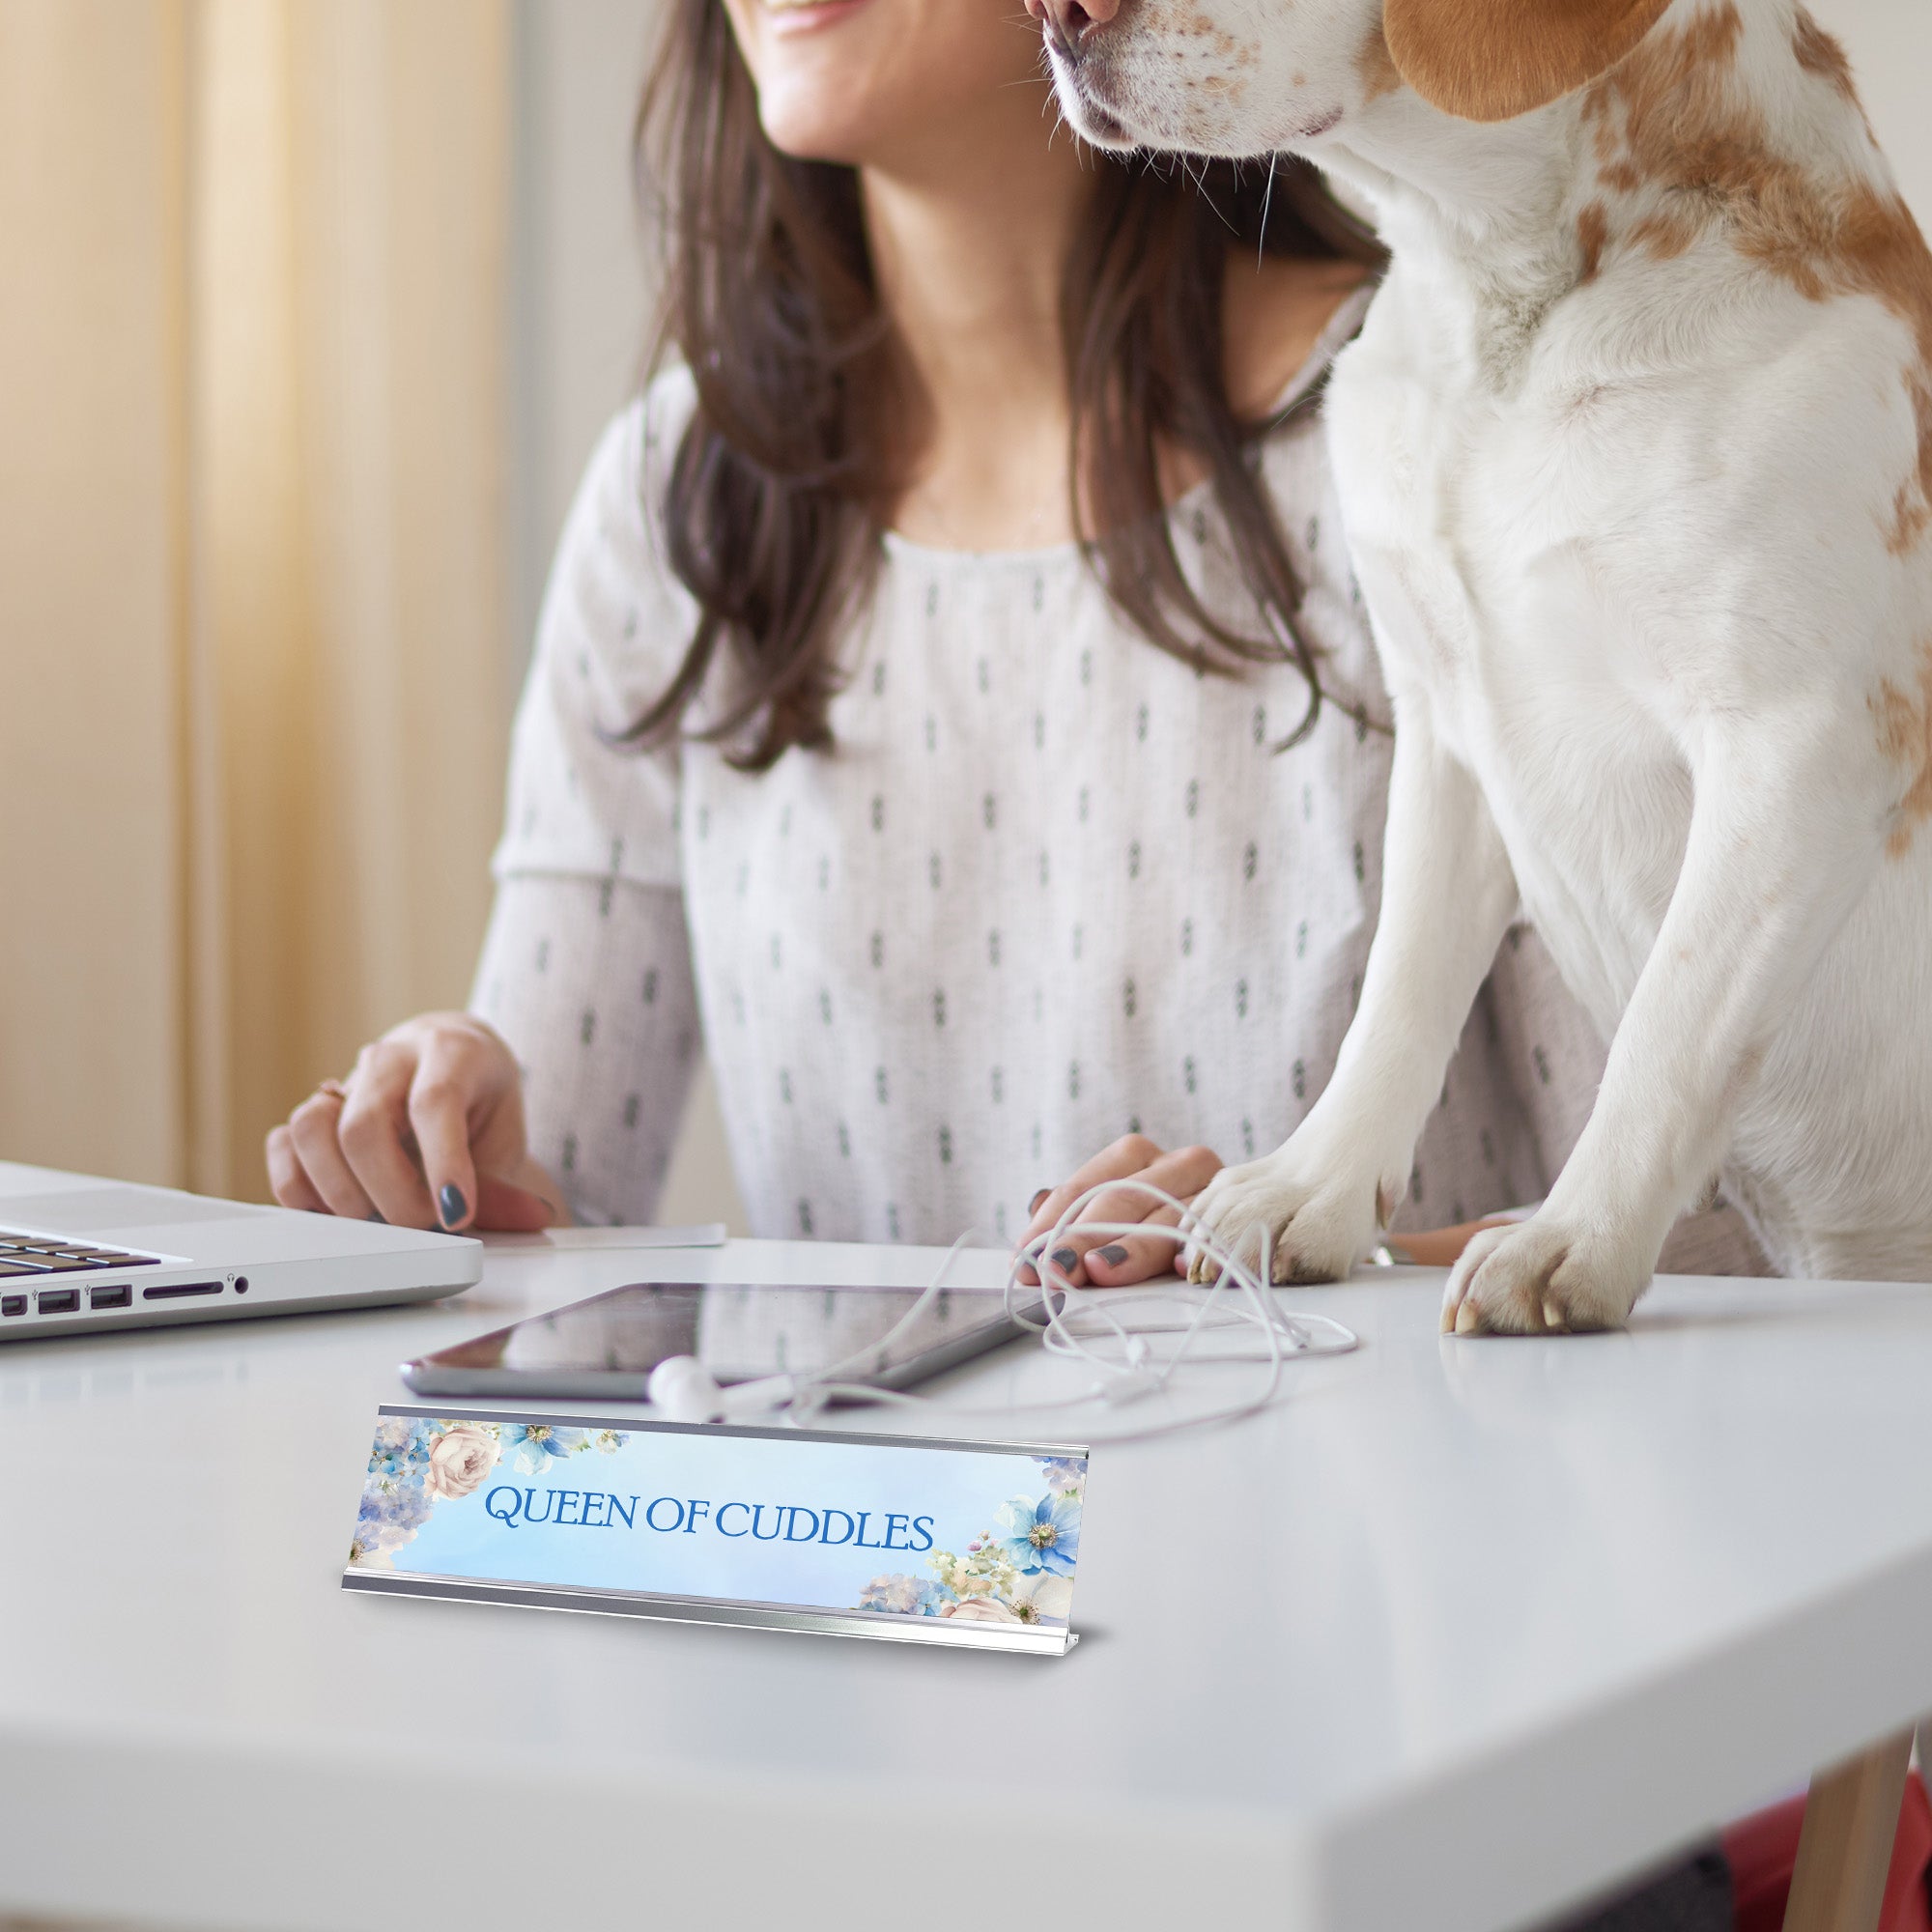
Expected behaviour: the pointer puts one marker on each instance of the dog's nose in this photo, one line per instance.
(1071, 24)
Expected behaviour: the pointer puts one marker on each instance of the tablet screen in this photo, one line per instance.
(610, 1344)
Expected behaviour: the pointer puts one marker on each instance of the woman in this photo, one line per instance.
(953, 704)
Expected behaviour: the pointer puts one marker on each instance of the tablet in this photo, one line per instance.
(608, 1344)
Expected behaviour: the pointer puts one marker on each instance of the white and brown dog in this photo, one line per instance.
(1635, 454)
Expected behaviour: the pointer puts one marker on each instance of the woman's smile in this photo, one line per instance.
(786, 18)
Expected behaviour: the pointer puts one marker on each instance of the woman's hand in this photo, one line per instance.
(427, 1132)
(1120, 1261)
(1098, 1261)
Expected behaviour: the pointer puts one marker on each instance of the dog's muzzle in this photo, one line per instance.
(1071, 24)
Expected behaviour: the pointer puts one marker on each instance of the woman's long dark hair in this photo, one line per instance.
(796, 451)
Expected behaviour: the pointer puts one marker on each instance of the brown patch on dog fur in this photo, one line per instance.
(1492, 60)
(1668, 120)
(1593, 229)
(1905, 737)
(1819, 53)
(1912, 507)
(1676, 107)
(1376, 67)
(1664, 236)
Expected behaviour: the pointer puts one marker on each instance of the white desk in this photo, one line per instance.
(1454, 1636)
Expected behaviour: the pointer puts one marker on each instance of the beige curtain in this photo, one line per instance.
(252, 588)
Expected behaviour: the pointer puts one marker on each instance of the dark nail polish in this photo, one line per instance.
(1066, 1259)
(451, 1204)
(1113, 1254)
(1033, 1206)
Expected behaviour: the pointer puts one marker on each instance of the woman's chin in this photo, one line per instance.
(814, 137)
(807, 125)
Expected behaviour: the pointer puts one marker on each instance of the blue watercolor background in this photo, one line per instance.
(960, 1490)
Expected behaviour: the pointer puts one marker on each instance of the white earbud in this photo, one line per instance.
(686, 1390)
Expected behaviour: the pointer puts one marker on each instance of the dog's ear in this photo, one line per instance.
(1491, 60)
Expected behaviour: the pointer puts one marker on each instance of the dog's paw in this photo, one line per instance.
(1317, 1229)
(1539, 1277)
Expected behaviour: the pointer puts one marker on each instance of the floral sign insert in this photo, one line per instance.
(867, 1535)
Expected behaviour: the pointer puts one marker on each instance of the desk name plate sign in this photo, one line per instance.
(898, 1537)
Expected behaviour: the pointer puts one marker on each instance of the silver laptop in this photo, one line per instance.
(77, 1254)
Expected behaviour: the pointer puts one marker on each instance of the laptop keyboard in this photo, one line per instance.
(24, 1255)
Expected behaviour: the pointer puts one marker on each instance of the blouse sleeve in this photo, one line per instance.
(585, 970)
(589, 982)
(611, 634)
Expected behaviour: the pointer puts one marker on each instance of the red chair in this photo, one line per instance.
(1763, 1850)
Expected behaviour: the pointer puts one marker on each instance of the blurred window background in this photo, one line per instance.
(312, 309)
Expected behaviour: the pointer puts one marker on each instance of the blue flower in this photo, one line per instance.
(536, 1443)
(399, 1445)
(1065, 1475)
(1040, 1536)
(391, 1512)
(400, 1502)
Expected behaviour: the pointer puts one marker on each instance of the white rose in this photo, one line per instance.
(1051, 1596)
(981, 1611)
(461, 1458)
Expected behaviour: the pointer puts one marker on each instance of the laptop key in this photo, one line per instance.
(9, 1266)
(17, 1248)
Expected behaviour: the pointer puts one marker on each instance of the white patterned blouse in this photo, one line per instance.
(1050, 886)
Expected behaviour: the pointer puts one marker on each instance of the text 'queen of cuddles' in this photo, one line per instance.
(766, 1522)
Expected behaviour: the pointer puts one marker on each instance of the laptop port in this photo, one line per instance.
(12, 1304)
(57, 1300)
(110, 1297)
(173, 1291)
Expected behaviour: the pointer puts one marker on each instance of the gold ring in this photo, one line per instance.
(334, 1089)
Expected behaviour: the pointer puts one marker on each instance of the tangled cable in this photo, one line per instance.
(686, 1391)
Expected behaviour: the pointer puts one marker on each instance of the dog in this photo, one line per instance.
(1635, 450)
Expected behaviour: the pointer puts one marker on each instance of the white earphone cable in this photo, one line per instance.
(1238, 1298)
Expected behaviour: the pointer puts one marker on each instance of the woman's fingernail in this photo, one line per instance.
(1113, 1254)
(1033, 1206)
(451, 1205)
(1066, 1259)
